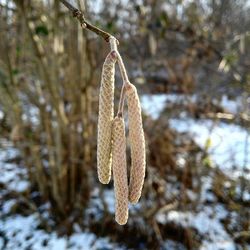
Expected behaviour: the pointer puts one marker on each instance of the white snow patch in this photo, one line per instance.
(232, 106)
(13, 176)
(22, 233)
(229, 148)
(228, 142)
(170, 244)
(153, 104)
(207, 222)
(109, 197)
(8, 152)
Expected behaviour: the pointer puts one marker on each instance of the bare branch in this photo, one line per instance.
(113, 45)
(85, 24)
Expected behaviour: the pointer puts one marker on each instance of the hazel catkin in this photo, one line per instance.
(120, 171)
(105, 118)
(137, 144)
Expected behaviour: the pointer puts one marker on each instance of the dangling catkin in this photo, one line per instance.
(105, 118)
(137, 143)
(120, 171)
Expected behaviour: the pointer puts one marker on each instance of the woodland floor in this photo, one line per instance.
(215, 218)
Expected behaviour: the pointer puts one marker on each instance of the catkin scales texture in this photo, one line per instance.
(106, 114)
(137, 143)
(120, 171)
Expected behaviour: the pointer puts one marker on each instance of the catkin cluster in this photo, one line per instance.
(137, 144)
(105, 118)
(120, 170)
(111, 142)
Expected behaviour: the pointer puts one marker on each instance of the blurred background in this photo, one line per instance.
(190, 61)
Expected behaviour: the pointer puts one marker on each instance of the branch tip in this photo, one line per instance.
(84, 24)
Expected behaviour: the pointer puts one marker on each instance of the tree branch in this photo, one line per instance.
(85, 24)
(113, 45)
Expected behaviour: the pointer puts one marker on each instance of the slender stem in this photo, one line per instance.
(84, 23)
(122, 69)
(113, 45)
(121, 102)
(68, 5)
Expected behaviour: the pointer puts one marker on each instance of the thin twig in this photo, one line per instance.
(122, 99)
(113, 45)
(84, 23)
(121, 102)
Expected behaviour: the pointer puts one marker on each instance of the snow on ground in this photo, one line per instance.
(206, 219)
(229, 144)
(21, 231)
(12, 175)
(232, 106)
(207, 222)
(154, 104)
(228, 147)
(23, 234)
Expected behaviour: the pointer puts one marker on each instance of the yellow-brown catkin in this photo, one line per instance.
(120, 171)
(105, 118)
(137, 143)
